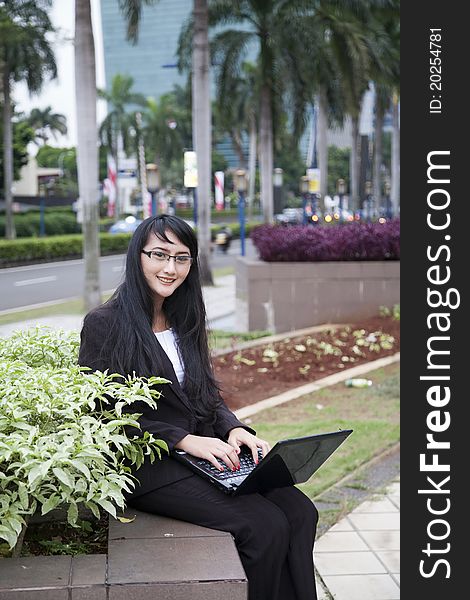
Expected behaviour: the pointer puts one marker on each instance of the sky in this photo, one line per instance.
(60, 93)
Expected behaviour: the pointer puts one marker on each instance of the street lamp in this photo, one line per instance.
(304, 193)
(368, 200)
(277, 183)
(153, 183)
(241, 184)
(388, 204)
(341, 189)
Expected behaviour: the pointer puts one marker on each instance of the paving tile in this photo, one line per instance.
(147, 561)
(181, 591)
(89, 569)
(35, 594)
(362, 587)
(347, 563)
(321, 592)
(149, 526)
(375, 521)
(342, 525)
(391, 559)
(94, 592)
(379, 505)
(393, 489)
(340, 541)
(382, 540)
(394, 500)
(396, 576)
(35, 571)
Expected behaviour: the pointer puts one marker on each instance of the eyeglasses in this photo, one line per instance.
(158, 256)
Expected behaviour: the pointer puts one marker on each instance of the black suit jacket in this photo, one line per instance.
(174, 417)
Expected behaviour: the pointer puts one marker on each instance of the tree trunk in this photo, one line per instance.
(202, 135)
(378, 137)
(395, 179)
(355, 165)
(10, 232)
(251, 167)
(266, 155)
(323, 142)
(87, 148)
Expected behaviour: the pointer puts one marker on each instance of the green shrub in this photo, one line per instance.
(15, 252)
(63, 443)
(56, 222)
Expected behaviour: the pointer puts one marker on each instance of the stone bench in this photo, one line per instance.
(151, 557)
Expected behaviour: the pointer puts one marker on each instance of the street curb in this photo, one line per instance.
(308, 388)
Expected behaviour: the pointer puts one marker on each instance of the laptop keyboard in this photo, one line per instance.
(247, 464)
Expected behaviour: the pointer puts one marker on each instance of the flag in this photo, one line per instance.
(110, 185)
(219, 189)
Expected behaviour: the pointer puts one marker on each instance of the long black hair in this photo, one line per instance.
(133, 344)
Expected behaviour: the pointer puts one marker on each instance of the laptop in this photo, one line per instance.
(287, 463)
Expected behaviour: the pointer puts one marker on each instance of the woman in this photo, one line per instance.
(155, 324)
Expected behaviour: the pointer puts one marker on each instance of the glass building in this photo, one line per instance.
(152, 61)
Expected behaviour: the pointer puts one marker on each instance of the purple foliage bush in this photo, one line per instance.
(306, 243)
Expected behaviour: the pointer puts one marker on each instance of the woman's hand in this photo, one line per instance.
(211, 449)
(239, 437)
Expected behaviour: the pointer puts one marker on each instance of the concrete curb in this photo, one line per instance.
(248, 411)
(268, 339)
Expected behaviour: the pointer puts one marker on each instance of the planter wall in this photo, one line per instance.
(282, 296)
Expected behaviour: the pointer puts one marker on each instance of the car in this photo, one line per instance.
(289, 216)
(127, 225)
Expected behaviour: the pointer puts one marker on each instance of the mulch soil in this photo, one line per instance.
(260, 372)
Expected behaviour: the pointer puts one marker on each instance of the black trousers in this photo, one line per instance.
(274, 532)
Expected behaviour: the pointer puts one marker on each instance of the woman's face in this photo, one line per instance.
(165, 275)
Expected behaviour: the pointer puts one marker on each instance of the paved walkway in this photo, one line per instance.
(358, 558)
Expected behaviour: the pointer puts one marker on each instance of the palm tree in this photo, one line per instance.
(287, 36)
(25, 55)
(87, 153)
(202, 133)
(120, 122)
(386, 76)
(164, 129)
(87, 148)
(45, 122)
(240, 116)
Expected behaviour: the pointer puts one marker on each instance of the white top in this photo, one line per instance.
(168, 343)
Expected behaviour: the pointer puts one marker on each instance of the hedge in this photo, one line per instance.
(55, 223)
(64, 247)
(307, 243)
(30, 250)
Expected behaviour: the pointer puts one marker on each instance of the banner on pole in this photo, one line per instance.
(110, 186)
(219, 190)
(313, 180)
(190, 169)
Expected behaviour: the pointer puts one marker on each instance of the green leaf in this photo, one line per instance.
(63, 477)
(94, 509)
(72, 514)
(81, 466)
(9, 536)
(50, 504)
(108, 507)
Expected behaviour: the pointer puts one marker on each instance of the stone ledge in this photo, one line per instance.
(151, 557)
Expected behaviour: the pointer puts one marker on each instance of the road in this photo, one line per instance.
(34, 285)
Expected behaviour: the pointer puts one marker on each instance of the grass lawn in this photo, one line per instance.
(372, 413)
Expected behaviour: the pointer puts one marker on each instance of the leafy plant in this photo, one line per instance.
(385, 311)
(67, 436)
